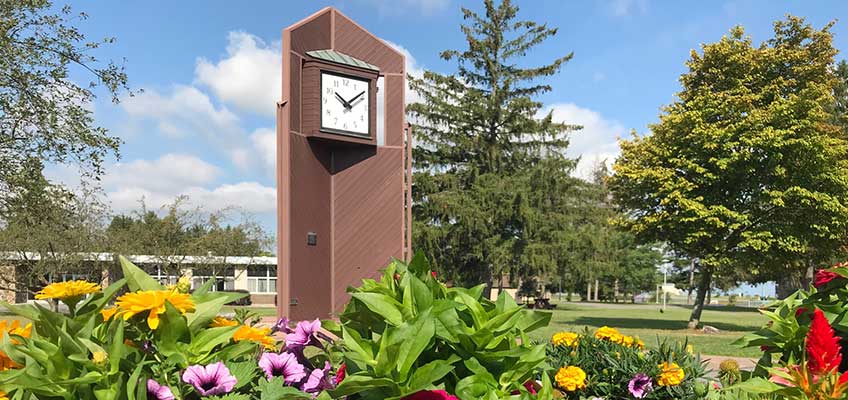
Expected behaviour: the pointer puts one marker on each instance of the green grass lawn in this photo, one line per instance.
(646, 322)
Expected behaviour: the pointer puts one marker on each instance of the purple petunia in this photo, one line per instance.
(283, 364)
(282, 325)
(305, 333)
(210, 380)
(640, 386)
(155, 391)
(319, 379)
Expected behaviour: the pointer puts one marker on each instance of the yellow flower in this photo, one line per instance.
(108, 313)
(99, 357)
(13, 328)
(565, 338)
(627, 340)
(3, 396)
(571, 378)
(67, 290)
(671, 374)
(640, 344)
(690, 349)
(258, 335)
(221, 321)
(607, 333)
(152, 301)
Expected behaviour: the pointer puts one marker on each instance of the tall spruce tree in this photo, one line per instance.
(489, 172)
(746, 169)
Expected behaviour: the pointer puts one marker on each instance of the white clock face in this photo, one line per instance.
(344, 104)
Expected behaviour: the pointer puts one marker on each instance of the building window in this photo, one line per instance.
(163, 275)
(262, 279)
(224, 276)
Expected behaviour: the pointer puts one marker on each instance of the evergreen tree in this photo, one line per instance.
(746, 170)
(490, 174)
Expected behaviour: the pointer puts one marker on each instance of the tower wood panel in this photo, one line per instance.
(351, 194)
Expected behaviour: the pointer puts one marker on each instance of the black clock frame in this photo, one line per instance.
(367, 81)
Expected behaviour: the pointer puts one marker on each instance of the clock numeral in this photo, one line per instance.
(328, 91)
(328, 112)
(345, 126)
(346, 82)
(335, 121)
(362, 118)
(325, 100)
(335, 83)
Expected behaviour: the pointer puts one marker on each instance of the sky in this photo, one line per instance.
(210, 74)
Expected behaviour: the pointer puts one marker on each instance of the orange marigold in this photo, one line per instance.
(254, 334)
(13, 328)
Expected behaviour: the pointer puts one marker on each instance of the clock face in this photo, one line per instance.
(345, 104)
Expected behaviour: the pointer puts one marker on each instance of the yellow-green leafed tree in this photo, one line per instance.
(745, 169)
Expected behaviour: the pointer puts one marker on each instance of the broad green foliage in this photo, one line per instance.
(745, 170)
(89, 353)
(492, 180)
(409, 332)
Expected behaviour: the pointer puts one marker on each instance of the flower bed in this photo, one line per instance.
(607, 364)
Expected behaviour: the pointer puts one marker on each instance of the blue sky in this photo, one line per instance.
(210, 71)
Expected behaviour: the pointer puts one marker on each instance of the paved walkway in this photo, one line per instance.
(713, 363)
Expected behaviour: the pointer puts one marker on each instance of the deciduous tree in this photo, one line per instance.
(746, 169)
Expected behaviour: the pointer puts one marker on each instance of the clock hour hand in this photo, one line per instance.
(355, 98)
(344, 102)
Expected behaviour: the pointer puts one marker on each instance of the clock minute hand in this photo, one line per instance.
(355, 98)
(344, 102)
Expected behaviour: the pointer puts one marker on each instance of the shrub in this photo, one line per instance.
(615, 366)
(806, 333)
(409, 332)
(155, 343)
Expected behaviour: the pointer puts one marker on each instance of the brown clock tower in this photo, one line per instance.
(343, 163)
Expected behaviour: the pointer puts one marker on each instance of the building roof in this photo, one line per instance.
(150, 259)
(341, 58)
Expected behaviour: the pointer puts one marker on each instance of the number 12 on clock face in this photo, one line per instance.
(345, 104)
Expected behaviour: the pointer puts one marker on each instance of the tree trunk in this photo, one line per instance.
(615, 291)
(691, 282)
(703, 290)
(596, 290)
(589, 291)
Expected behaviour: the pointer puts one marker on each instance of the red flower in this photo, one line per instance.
(799, 311)
(433, 273)
(529, 385)
(823, 277)
(823, 348)
(340, 374)
(430, 395)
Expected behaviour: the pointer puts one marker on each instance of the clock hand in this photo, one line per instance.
(355, 98)
(344, 102)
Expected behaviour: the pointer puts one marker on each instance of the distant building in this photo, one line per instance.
(256, 275)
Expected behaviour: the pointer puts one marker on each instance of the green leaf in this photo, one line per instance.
(353, 384)
(244, 372)
(385, 306)
(276, 389)
(136, 278)
(426, 376)
(416, 338)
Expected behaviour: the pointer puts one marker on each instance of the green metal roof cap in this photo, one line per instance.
(341, 58)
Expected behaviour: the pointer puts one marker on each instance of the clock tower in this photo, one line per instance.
(343, 163)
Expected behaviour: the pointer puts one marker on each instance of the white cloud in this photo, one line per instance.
(265, 145)
(186, 111)
(623, 8)
(168, 173)
(596, 142)
(248, 78)
(397, 7)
